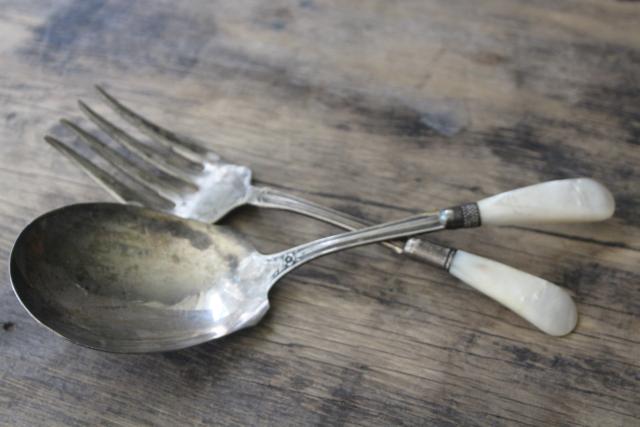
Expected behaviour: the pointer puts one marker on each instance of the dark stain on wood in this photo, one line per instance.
(96, 27)
(549, 158)
(608, 284)
(604, 372)
(338, 411)
(275, 18)
(374, 115)
(71, 25)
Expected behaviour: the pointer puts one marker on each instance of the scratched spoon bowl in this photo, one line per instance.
(124, 279)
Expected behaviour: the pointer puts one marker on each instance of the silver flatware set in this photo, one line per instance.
(155, 274)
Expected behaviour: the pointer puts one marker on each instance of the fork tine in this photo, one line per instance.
(175, 164)
(157, 184)
(166, 137)
(115, 187)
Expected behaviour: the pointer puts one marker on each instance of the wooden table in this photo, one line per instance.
(378, 108)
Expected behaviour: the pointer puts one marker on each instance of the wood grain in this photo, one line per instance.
(378, 108)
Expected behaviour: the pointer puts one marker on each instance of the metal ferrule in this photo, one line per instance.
(430, 252)
(462, 216)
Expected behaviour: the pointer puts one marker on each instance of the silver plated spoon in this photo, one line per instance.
(123, 278)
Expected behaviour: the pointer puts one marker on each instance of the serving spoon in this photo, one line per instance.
(123, 278)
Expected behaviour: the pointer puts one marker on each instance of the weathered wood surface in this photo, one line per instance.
(378, 108)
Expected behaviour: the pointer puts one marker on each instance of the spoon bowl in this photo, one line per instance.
(125, 279)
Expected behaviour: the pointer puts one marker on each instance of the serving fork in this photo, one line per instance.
(177, 174)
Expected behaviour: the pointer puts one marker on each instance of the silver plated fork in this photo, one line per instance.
(176, 174)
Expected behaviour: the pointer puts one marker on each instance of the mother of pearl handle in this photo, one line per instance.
(545, 305)
(566, 200)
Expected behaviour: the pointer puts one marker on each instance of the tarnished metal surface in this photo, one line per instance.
(463, 216)
(433, 254)
(120, 278)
